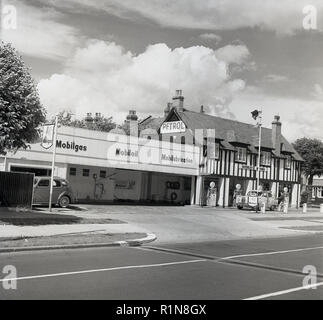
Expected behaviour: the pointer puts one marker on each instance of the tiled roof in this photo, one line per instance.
(228, 130)
(150, 122)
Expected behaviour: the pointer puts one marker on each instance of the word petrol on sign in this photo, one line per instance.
(173, 127)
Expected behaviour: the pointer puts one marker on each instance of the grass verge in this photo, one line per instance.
(80, 239)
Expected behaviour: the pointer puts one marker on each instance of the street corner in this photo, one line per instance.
(150, 237)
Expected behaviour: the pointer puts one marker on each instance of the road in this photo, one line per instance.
(233, 269)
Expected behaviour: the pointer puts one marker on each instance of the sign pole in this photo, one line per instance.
(53, 165)
(259, 150)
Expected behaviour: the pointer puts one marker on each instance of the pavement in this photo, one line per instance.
(196, 224)
(177, 224)
(255, 269)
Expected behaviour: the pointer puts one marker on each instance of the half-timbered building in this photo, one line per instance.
(229, 152)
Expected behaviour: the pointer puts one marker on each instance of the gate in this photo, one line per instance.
(16, 189)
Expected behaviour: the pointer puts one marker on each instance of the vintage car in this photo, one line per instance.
(62, 192)
(255, 200)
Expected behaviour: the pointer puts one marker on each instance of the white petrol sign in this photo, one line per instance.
(173, 127)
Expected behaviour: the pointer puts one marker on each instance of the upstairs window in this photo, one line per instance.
(103, 174)
(265, 158)
(288, 162)
(86, 172)
(241, 154)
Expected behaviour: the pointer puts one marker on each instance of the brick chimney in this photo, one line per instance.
(178, 101)
(132, 121)
(89, 118)
(202, 110)
(277, 135)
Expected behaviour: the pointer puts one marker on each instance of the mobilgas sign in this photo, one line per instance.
(70, 146)
(173, 127)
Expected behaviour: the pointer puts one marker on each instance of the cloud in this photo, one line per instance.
(274, 78)
(104, 77)
(40, 34)
(211, 37)
(282, 16)
(233, 54)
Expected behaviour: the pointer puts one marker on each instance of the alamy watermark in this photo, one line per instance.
(9, 277)
(310, 18)
(8, 16)
(310, 280)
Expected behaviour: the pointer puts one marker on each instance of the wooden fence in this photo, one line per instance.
(16, 189)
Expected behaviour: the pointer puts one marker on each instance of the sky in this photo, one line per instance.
(111, 56)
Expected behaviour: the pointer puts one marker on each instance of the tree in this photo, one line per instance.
(21, 112)
(98, 123)
(312, 152)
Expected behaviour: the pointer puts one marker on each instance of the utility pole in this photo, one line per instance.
(259, 148)
(53, 164)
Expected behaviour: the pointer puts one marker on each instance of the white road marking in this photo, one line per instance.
(102, 270)
(270, 253)
(282, 292)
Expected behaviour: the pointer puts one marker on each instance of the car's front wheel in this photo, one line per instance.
(64, 201)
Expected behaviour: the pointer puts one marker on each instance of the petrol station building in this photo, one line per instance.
(167, 159)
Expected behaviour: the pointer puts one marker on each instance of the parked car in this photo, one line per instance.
(62, 192)
(254, 200)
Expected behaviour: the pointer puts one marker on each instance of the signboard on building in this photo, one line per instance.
(47, 136)
(173, 127)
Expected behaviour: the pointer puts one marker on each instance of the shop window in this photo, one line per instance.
(288, 162)
(86, 172)
(39, 172)
(72, 171)
(103, 174)
(265, 158)
(241, 154)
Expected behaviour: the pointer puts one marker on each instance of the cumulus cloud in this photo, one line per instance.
(282, 16)
(40, 34)
(104, 77)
